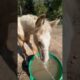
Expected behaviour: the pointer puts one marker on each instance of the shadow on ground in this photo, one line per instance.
(25, 67)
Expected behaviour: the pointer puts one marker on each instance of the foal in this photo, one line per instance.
(40, 28)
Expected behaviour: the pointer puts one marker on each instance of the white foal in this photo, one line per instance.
(40, 27)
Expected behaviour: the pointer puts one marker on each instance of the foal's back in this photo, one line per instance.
(27, 22)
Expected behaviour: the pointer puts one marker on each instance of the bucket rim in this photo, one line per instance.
(51, 56)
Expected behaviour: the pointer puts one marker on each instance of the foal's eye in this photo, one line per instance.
(39, 43)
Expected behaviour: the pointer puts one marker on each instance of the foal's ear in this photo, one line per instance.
(54, 23)
(40, 20)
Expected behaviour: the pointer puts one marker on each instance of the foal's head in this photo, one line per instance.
(42, 36)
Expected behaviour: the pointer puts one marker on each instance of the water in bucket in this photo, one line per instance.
(50, 71)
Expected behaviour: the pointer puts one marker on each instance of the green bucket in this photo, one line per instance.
(39, 72)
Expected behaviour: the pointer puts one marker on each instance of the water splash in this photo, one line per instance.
(45, 67)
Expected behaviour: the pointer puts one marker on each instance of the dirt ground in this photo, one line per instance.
(55, 47)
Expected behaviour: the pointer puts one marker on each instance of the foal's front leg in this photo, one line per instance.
(27, 46)
(30, 45)
(27, 40)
